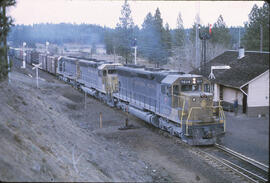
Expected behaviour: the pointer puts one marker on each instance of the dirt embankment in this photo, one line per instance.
(49, 134)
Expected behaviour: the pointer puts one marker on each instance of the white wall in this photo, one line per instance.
(258, 91)
(230, 94)
(216, 92)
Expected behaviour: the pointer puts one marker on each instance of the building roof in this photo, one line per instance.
(242, 70)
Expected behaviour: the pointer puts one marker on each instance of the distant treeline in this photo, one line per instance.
(82, 34)
(57, 34)
(155, 40)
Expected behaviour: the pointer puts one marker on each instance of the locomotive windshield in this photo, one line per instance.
(187, 88)
(111, 71)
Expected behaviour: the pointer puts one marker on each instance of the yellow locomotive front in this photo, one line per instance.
(200, 120)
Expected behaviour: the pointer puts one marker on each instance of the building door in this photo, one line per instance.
(244, 102)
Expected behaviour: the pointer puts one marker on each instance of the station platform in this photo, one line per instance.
(248, 136)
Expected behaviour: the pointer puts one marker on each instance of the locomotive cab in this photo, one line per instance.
(192, 95)
(192, 104)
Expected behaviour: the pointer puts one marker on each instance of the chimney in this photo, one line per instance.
(241, 53)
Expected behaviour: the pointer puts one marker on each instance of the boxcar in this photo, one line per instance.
(34, 57)
(43, 61)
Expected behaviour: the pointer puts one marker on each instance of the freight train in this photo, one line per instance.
(178, 103)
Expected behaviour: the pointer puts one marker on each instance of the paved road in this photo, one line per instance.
(248, 136)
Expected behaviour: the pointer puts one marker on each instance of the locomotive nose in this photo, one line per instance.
(203, 103)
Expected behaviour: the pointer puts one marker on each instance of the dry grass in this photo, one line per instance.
(17, 139)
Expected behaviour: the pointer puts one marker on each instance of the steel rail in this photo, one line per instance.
(251, 161)
(230, 167)
(245, 171)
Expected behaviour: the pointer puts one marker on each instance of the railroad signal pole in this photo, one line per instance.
(47, 44)
(261, 38)
(135, 51)
(204, 36)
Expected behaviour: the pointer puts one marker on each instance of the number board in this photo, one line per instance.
(185, 81)
(199, 81)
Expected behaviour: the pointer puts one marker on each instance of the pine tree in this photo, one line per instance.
(179, 35)
(258, 18)
(109, 41)
(160, 49)
(168, 39)
(124, 32)
(154, 42)
(5, 23)
(220, 33)
(147, 37)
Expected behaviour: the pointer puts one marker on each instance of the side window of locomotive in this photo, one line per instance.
(99, 73)
(111, 71)
(119, 85)
(195, 87)
(104, 73)
(60, 66)
(163, 89)
(176, 90)
(169, 91)
(186, 88)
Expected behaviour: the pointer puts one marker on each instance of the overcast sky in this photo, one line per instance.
(106, 13)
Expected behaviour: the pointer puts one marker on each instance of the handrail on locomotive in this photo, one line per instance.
(221, 116)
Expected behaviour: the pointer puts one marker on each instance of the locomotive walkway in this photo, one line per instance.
(248, 136)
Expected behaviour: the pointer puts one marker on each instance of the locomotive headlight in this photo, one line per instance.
(193, 99)
(194, 80)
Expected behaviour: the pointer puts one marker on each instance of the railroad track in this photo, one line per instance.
(251, 169)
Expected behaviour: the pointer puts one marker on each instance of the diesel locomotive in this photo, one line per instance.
(179, 103)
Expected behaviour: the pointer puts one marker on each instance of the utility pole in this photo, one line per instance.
(135, 51)
(23, 54)
(239, 38)
(197, 46)
(47, 45)
(113, 53)
(135, 55)
(261, 38)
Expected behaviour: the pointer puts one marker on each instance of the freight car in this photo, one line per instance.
(49, 62)
(52, 64)
(31, 56)
(34, 57)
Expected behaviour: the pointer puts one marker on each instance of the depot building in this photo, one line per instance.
(247, 80)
